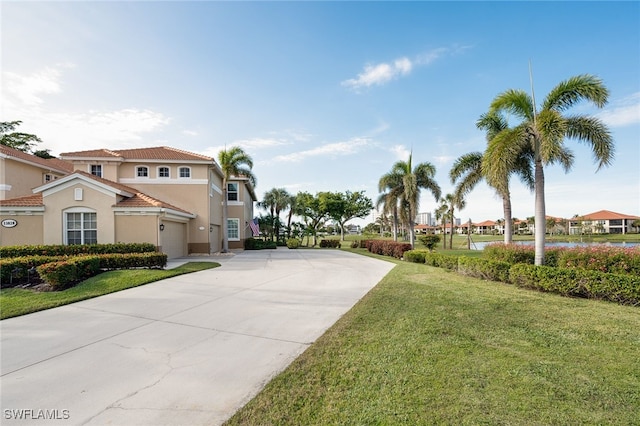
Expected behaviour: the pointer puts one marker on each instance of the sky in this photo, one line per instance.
(325, 96)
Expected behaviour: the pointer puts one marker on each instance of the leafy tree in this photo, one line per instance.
(342, 207)
(24, 142)
(233, 162)
(313, 213)
(543, 132)
(404, 183)
(467, 170)
(429, 241)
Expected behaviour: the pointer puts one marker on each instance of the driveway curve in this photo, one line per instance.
(191, 349)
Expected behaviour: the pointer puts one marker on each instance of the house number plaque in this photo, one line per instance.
(9, 223)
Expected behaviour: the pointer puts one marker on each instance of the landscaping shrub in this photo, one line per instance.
(132, 260)
(414, 256)
(66, 273)
(446, 261)
(75, 249)
(617, 260)
(257, 244)
(16, 270)
(619, 288)
(388, 248)
(521, 253)
(330, 244)
(430, 241)
(293, 243)
(492, 270)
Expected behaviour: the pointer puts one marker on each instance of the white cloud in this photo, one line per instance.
(350, 147)
(28, 89)
(190, 133)
(624, 112)
(401, 152)
(376, 75)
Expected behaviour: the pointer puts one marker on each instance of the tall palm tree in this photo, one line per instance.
(233, 162)
(441, 214)
(467, 171)
(404, 183)
(275, 200)
(453, 202)
(389, 203)
(543, 132)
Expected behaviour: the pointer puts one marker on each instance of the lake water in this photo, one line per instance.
(482, 244)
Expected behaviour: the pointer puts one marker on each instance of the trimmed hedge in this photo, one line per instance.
(330, 244)
(75, 249)
(616, 260)
(446, 261)
(620, 288)
(387, 248)
(17, 268)
(485, 269)
(257, 244)
(414, 256)
(66, 273)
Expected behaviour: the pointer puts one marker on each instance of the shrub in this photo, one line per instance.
(414, 256)
(388, 248)
(293, 243)
(75, 249)
(330, 244)
(430, 241)
(257, 244)
(485, 269)
(15, 270)
(66, 273)
(521, 253)
(619, 288)
(615, 260)
(438, 260)
(132, 260)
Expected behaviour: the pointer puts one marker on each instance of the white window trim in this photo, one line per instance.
(184, 167)
(237, 192)
(236, 220)
(141, 167)
(65, 235)
(90, 166)
(158, 172)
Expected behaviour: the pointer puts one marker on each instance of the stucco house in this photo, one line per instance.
(602, 222)
(162, 195)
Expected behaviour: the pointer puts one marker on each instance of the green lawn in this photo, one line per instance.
(15, 302)
(427, 346)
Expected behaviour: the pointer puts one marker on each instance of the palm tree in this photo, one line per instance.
(543, 132)
(467, 170)
(453, 201)
(275, 200)
(233, 162)
(441, 214)
(403, 184)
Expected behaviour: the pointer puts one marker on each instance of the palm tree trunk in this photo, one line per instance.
(395, 223)
(540, 219)
(411, 235)
(225, 214)
(451, 236)
(508, 221)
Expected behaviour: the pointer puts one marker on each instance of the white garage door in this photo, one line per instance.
(174, 239)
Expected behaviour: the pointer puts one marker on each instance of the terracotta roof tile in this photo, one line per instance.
(154, 153)
(34, 200)
(144, 200)
(50, 164)
(607, 215)
(91, 153)
(111, 183)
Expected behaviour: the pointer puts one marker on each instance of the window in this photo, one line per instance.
(81, 228)
(233, 229)
(184, 172)
(142, 171)
(48, 178)
(232, 191)
(163, 172)
(96, 170)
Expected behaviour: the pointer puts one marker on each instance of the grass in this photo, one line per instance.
(15, 302)
(427, 346)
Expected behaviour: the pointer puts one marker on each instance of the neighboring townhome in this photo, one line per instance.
(602, 222)
(162, 195)
(21, 172)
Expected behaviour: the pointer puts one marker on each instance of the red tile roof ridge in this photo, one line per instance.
(48, 163)
(92, 153)
(33, 200)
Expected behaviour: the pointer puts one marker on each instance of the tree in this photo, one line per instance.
(313, 213)
(24, 142)
(404, 183)
(233, 162)
(543, 132)
(389, 203)
(342, 207)
(441, 214)
(275, 200)
(452, 201)
(467, 170)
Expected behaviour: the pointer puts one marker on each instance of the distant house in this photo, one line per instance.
(602, 222)
(484, 228)
(164, 196)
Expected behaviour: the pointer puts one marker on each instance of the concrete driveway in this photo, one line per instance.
(188, 350)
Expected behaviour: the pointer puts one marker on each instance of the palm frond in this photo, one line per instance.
(594, 132)
(516, 102)
(575, 89)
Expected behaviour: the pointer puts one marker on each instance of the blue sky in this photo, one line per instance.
(325, 96)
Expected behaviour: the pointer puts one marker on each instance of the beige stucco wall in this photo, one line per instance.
(58, 202)
(136, 228)
(28, 230)
(109, 168)
(21, 176)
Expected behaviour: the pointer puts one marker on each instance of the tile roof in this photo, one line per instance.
(154, 153)
(34, 200)
(486, 223)
(144, 200)
(607, 215)
(51, 163)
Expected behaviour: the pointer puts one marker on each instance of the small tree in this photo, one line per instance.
(429, 241)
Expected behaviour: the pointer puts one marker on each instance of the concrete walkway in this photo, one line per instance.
(189, 350)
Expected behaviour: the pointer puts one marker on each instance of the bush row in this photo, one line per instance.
(387, 247)
(330, 244)
(257, 244)
(55, 269)
(617, 260)
(75, 249)
(577, 282)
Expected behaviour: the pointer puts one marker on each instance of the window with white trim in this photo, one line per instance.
(163, 172)
(81, 228)
(232, 191)
(184, 172)
(233, 229)
(96, 170)
(142, 171)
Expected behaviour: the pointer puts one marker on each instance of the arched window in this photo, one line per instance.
(80, 226)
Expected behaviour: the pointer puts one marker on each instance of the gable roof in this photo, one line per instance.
(34, 200)
(53, 164)
(143, 200)
(153, 153)
(607, 215)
